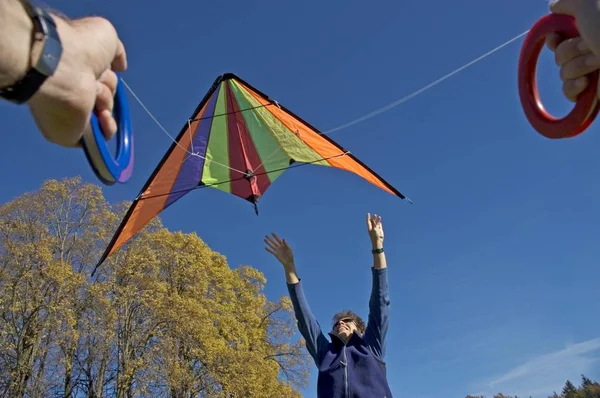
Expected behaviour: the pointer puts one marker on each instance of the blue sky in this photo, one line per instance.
(492, 271)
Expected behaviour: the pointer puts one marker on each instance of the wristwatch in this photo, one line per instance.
(44, 33)
(377, 251)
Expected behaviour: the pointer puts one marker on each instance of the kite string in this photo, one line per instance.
(348, 124)
(423, 89)
(414, 94)
(170, 136)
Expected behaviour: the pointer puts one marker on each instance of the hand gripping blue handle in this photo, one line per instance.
(110, 170)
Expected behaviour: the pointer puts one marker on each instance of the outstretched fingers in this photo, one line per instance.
(277, 238)
(273, 242)
(373, 221)
(377, 219)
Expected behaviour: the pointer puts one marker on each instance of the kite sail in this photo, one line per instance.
(240, 141)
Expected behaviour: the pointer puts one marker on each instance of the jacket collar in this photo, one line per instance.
(354, 340)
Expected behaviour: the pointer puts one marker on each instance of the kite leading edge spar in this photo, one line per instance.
(240, 141)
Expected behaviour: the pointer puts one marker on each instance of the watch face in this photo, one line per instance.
(48, 62)
(52, 48)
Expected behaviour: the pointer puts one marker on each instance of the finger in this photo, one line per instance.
(269, 241)
(273, 246)
(570, 49)
(552, 41)
(271, 251)
(108, 124)
(103, 108)
(572, 88)
(104, 98)
(579, 67)
(119, 63)
(277, 238)
(110, 80)
(568, 7)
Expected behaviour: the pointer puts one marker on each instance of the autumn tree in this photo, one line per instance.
(165, 316)
(46, 238)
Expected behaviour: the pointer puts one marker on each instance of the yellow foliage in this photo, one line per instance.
(166, 315)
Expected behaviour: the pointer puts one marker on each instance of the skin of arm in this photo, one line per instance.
(291, 276)
(15, 41)
(84, 81)
(379, 260)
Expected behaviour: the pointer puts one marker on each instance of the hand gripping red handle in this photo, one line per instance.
(586, 107)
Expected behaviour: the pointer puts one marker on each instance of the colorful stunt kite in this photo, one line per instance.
(239, 141)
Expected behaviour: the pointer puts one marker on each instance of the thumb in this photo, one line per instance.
(567, 7)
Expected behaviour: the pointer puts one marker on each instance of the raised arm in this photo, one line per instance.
(309, 328)
(379, 302)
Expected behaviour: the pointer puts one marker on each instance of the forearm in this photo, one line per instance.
(379, 260)
(15, 41)
(291, 276)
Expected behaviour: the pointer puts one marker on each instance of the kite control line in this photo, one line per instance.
(108, 169)
(586, 107)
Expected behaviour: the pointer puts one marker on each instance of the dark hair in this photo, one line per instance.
(360, 324)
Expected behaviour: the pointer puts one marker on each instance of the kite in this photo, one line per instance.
(240, 141)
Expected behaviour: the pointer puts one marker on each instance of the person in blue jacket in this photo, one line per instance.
(351, 364)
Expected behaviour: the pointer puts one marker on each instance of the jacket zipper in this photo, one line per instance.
(346, 372)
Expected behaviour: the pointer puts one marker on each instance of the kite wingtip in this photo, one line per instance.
(408, 200)
(98, 264)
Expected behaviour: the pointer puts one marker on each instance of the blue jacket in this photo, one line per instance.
(357, 369)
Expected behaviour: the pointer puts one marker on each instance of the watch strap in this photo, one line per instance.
(377, 251)
(24, 89)
(50, 54)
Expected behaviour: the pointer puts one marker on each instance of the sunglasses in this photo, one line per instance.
(345, 320)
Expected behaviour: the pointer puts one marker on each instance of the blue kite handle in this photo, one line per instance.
(110, 170)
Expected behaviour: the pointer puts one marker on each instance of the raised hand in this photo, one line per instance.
(281, 250)
(375, 229)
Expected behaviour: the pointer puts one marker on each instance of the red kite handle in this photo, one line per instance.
(586, 108)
